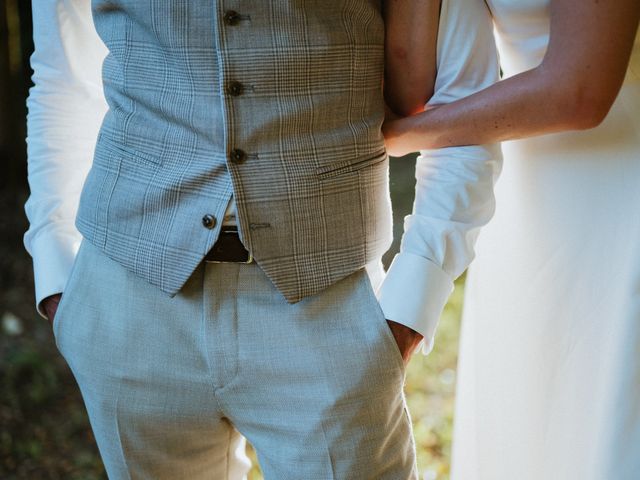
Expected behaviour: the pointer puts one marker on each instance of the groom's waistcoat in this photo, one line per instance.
(277, 102)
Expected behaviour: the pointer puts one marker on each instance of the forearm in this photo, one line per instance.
(573, 88)
(65, 107)
(62, 129)
(521, 106)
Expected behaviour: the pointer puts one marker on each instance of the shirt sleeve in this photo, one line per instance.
(454, 190)
(65, 109)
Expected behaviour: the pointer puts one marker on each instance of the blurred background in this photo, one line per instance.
(44, 430)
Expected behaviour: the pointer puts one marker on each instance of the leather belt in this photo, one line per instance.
(228, 248)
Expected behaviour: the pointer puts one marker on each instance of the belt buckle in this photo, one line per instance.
(247, 262)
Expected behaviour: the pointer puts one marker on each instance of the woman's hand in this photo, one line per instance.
(400, 138)
(393, 143)
(393, 138)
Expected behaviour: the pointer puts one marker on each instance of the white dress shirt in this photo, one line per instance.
(454, 191)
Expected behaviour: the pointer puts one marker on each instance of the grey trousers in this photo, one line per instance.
(172, 386)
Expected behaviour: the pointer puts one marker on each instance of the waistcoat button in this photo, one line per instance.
(238, 156)
(231, 17)
(235, 89)
(209, 221)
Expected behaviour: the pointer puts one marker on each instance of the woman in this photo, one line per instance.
(549, 374)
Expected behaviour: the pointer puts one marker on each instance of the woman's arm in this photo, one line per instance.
(573, 88)
(410, 53)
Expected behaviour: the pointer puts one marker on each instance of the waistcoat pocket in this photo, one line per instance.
(128, 152)
(341, 168)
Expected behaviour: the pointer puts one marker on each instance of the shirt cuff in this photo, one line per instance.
(414, 293)
(53, 257)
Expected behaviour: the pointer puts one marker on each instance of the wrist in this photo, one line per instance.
(408, 134)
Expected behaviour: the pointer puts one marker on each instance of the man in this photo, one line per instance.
(233, 221)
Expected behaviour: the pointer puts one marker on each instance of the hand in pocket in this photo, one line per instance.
(406, 339)
(50, 306)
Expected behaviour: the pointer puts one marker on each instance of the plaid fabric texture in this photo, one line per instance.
(296, 85)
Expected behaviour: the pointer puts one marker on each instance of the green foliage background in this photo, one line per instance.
(44, 430)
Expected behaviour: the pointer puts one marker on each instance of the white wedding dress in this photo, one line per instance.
(549, 372)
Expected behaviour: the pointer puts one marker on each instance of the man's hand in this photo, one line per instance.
(50, 306)
(406, 338)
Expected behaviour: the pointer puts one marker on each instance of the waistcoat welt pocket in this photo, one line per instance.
(127, 152)
(341, 168)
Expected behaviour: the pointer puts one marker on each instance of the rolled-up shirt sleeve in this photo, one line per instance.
(454, 191)
(65, 109)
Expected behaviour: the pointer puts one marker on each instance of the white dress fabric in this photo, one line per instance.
(549, 372)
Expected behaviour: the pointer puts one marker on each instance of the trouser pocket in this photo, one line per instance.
(388, 340)
(67, 295)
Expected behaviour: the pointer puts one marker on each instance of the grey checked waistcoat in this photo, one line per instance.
(278, 102)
